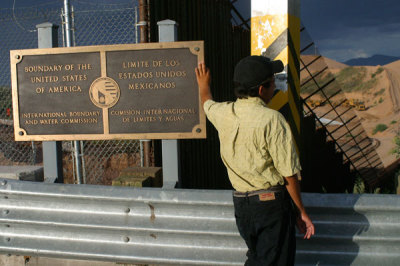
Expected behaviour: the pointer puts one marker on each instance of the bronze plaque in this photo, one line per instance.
(140, 91)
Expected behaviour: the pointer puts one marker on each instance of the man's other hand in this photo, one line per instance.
(305, 225)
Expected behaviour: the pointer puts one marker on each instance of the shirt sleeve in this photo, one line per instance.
(211, 109)
(282, 148)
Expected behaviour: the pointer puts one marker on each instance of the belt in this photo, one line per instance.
(258, 192)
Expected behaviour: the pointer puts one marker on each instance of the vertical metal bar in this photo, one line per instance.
(67, 23)
(83, 164)
(34, 153)
(72, 159)
(73, 26)
(68, 44)
(144, 21)
(136, 21)
(144, 34)
(62, 26)
(141, 154)
(78, 162)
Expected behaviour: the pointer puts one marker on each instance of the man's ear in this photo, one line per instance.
(260, 90)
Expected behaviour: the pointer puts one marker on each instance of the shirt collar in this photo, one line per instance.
(252, 101)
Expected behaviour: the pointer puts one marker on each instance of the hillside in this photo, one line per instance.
(377, 87)
(321, 62)
(394, 65)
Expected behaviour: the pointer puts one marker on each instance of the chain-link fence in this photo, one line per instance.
(18, 31)
(95, 24)
(92, 24)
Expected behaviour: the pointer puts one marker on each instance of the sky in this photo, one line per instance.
(346, 29)
(341, 29)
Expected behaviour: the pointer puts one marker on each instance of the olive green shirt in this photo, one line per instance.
(257, 145)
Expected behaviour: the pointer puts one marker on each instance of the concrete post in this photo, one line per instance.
(52, 150)
(167, 32)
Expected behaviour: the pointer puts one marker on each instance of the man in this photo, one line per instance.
(258, 151)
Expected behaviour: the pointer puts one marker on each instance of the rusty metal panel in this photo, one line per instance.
(224, 45)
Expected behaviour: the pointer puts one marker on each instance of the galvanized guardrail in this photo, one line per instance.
(352, 229)
(190, 227)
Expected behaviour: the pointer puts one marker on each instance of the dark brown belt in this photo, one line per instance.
(258, 192)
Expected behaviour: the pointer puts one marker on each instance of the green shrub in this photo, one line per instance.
(381, 91)
(393, 122)
(366, 85)
(396, 150)
(352, 79)
(380, 100)
(359, 186)
(377, 72)
(379, 128)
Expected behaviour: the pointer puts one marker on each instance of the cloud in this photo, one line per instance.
(361, 42)
(343, 54)
(345, 29)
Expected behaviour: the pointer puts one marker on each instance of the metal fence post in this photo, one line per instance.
(68, 42)
(167, 32)
(144, 38)
(52, 150)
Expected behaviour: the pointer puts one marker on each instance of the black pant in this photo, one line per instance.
(268, 227)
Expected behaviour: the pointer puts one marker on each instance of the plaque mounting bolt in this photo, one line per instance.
(21, 133)
(17, 56)
(198, 130)
(196, 49)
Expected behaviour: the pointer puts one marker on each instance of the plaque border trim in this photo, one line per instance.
(16, 56)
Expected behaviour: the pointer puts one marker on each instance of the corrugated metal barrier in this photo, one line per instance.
(190, 227)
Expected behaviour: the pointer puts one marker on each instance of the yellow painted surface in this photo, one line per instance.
(279, 100)
(265, 29)
(283, 56)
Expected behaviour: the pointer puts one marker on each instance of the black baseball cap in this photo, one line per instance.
(254, 70)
